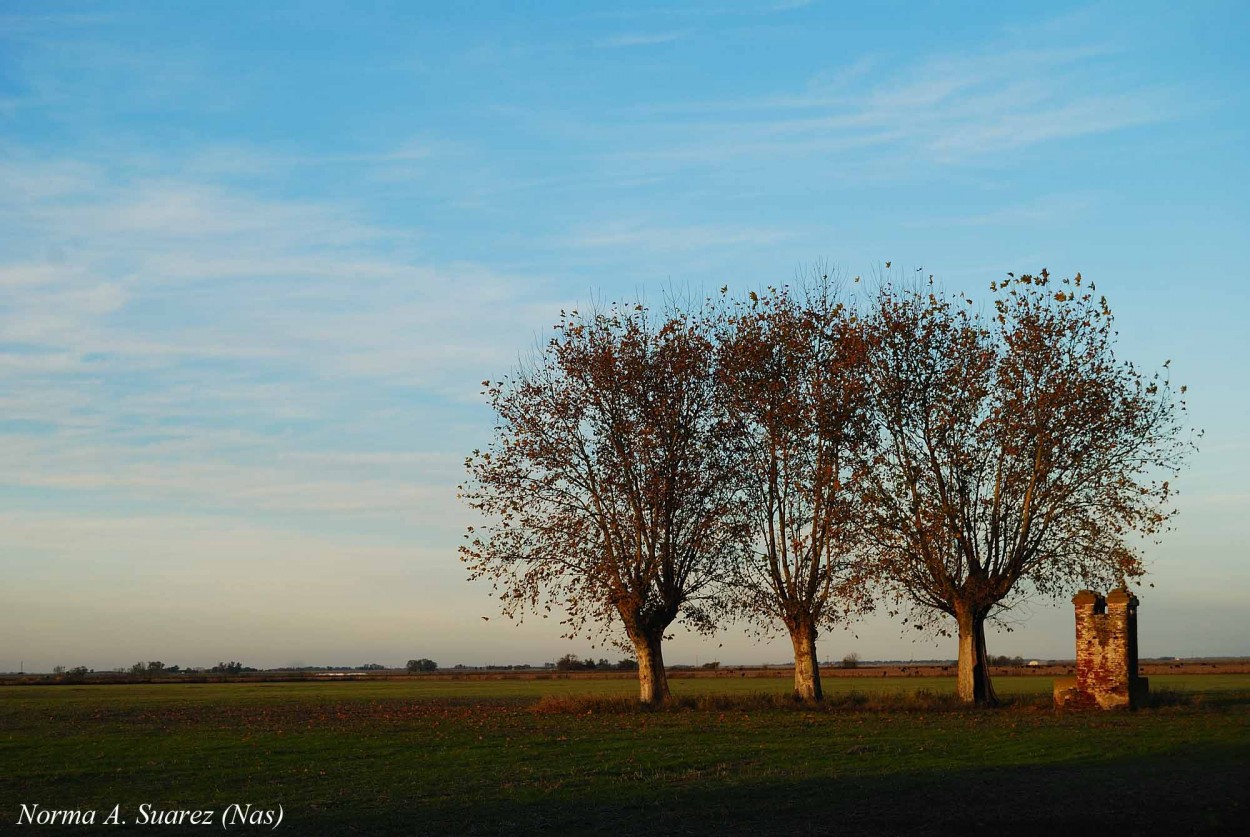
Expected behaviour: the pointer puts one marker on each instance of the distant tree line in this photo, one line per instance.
(571, 662)
(568, 662)
(802, 456)
(1007, 662)
(154, 667)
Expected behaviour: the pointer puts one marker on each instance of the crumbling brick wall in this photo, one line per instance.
(1106, 654)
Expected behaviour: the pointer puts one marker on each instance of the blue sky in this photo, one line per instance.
(255, 259)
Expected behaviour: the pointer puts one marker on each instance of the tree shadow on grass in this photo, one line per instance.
(1196, 789)
(1203, 790)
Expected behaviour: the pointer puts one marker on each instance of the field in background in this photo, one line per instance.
(1050, 669)
(490, 756)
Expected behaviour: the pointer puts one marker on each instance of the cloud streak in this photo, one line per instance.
(944, 109)
(199, 346)
(639, 39)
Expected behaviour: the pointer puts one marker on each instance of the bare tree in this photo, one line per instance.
(606, 488)
(1018, 454)
(794, 381)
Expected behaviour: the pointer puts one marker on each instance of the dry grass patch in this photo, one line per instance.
(918, 700)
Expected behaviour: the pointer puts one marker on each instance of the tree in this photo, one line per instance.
(422, 664)
(1018, 454)
(570, 662)
(794, 381)
(851, 660)
(607, 489)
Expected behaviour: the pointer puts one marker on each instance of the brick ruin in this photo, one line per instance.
(1106, 655)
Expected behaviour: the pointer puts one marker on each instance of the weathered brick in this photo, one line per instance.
(1106, 654)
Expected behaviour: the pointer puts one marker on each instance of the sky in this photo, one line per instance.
(255, 260)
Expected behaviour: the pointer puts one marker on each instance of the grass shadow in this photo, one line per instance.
(1204, 790)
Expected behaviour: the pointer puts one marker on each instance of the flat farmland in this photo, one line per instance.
(572, 756)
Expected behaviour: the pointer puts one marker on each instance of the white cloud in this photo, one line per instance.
(25, 182)
(1045, 210)
(297, 272)
(232, 160)
(657, 238)
(633, 39)
(197, 345)
(211, 472)
(946, 109)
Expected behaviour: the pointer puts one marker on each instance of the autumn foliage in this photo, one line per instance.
(792, 368)
(607, 489)
(1018, 454)
(794, 456)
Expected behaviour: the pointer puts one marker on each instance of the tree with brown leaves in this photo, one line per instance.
(1018, 454)
(606, 489)
(794, 381)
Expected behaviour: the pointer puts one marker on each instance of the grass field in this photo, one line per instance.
(569, 756)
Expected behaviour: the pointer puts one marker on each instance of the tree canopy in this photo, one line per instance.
(606, 488)
(1018, 453)
(787, 456)
(792, 366)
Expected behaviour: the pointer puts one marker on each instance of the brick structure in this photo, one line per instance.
(1106, 654)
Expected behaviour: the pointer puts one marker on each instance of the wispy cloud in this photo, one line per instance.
(677, 10)
(250, 160)
(193, 344)
(247, 294)
(16, 23)
(1048, 210)
(944, 109)
(636, 39)
(190, 475)
(156, 582)
(658, 238)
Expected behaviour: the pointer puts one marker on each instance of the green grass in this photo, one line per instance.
(477, 757)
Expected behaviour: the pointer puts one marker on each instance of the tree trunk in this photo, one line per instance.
(652, 680)
(806, 666)
(974, 667)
